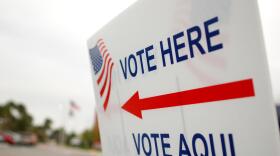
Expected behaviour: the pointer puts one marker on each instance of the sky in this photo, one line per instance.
(44, 57)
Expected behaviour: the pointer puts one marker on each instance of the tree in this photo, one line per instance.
(15, 117)
(56, 134)
(43, 131)
(47, 124)
(69, 137)
(86, 139)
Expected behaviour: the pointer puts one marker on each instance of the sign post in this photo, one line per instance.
(184, 77)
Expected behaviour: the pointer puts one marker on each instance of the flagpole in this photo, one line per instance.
(61, 132)
(65, 113)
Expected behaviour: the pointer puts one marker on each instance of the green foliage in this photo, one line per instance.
(86, 138)
(41, 131)
(15, 117)
(69, 137)
(56, 134)
(47, 124)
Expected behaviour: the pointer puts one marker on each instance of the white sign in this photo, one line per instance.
(184, 77)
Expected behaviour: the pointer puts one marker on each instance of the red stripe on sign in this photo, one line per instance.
(226, 91)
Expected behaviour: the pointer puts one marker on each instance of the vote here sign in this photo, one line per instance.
(184, 77)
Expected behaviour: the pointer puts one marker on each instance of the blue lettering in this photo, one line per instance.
(132, 59)
(124, 67)
(186, 44)
(150, 58)
(231, 144)
(197, 137)
(139, 53)
(183, 147)
(164, 144)
(195, 41)
(212, 145)
(149, 151)
(155, 136)
(166, 51)
(200, 145)
(179, 46)
(211, 34)
(137, 144)
(223, 145)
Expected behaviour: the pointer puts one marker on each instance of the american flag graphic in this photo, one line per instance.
(102, 67)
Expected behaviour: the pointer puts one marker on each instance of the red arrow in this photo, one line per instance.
(226, 91)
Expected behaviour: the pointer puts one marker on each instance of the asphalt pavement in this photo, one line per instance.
(44, 150)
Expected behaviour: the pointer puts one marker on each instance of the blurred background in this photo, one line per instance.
(46, 96)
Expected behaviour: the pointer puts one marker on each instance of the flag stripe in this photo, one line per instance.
(103, 69)
(105, 52)
(99, 41)
(103, 65)
(102, 48)
(106, 79)
(109, 89)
